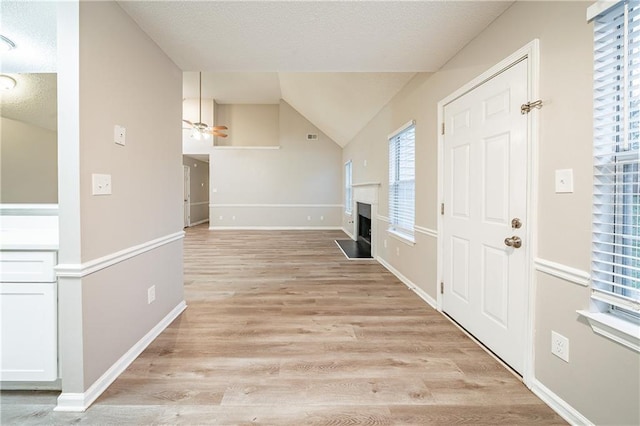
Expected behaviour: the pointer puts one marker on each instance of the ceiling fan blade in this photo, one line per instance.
(218, 134)
(188, 122)
(219, 127)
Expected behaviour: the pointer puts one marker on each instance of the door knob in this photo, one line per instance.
(515, 242)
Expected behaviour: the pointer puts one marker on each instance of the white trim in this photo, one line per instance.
(600, 7)
(406, 281)
(426, 231)
(382, 218)
(531, 52)
(28, 209)
(558, 270)
(349, 234)
(216, 147)
(407, 239)
(199, 203)
(79, 402)
(212, 206)
(557, 404)
(617, 329)
(366, 184)
(402, 128)
(275, 228)
(86, 268)
(200, 222)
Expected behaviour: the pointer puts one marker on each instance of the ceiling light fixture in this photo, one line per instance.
(6, 44)
(6, 82)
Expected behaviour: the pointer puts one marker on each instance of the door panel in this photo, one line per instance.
(485, 186)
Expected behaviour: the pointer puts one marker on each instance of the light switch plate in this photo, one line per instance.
(101, 184)
(119, 135)
(564, 181)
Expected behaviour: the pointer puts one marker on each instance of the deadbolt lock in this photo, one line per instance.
(515, 242)
(516, 223)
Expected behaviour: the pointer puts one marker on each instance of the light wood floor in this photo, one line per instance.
(281, 329)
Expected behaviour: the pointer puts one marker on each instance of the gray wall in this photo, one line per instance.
(249, 124)
(112, 73)
(296, 184)
(28, 163)
(601, 380)
(199, 172)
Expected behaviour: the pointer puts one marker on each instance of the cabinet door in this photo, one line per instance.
(28, 332)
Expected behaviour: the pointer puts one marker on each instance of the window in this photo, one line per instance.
(402, 180)
(616, 217)
(348, 191)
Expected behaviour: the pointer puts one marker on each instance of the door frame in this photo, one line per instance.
(531, 52)
(186, 190)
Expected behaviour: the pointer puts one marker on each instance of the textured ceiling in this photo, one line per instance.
(32, 27)
(333, 61)
(32, 101)
(261, 51)
(314, 36)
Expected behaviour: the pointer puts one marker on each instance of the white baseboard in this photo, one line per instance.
(78, 402)
(274, 228)
(420, 292)
(200, 222)
(559, 405)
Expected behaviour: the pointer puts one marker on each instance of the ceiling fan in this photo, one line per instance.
(203, 129)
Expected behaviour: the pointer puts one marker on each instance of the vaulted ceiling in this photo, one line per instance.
(337, 62)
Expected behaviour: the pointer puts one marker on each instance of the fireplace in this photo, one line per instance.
(364, 222)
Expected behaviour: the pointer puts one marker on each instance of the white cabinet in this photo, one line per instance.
(28, 316)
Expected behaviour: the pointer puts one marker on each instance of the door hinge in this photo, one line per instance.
(526, 108)
(441, 287)
(443, 127)
(441, 208)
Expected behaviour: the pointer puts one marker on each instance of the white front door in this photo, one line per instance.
(485, 189)
(187, 196)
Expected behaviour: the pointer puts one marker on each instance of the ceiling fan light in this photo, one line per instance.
(6, 44)
(6, 82)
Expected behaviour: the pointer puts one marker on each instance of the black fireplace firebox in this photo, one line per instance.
(364, 223)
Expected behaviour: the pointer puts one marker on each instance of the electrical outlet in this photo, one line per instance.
(560, 346)
(384, 243)
(321, 217)
(397, 251)
(308, 217)
(151, 294)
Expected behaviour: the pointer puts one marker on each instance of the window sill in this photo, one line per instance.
(615, 328)
(407, 239)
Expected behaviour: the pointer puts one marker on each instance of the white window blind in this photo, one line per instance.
(616, 220)
(348, 190)
(402, 180)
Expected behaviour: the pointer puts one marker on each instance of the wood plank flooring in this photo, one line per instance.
(282, 329)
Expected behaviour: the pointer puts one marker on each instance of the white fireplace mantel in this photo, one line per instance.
(367, 193)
